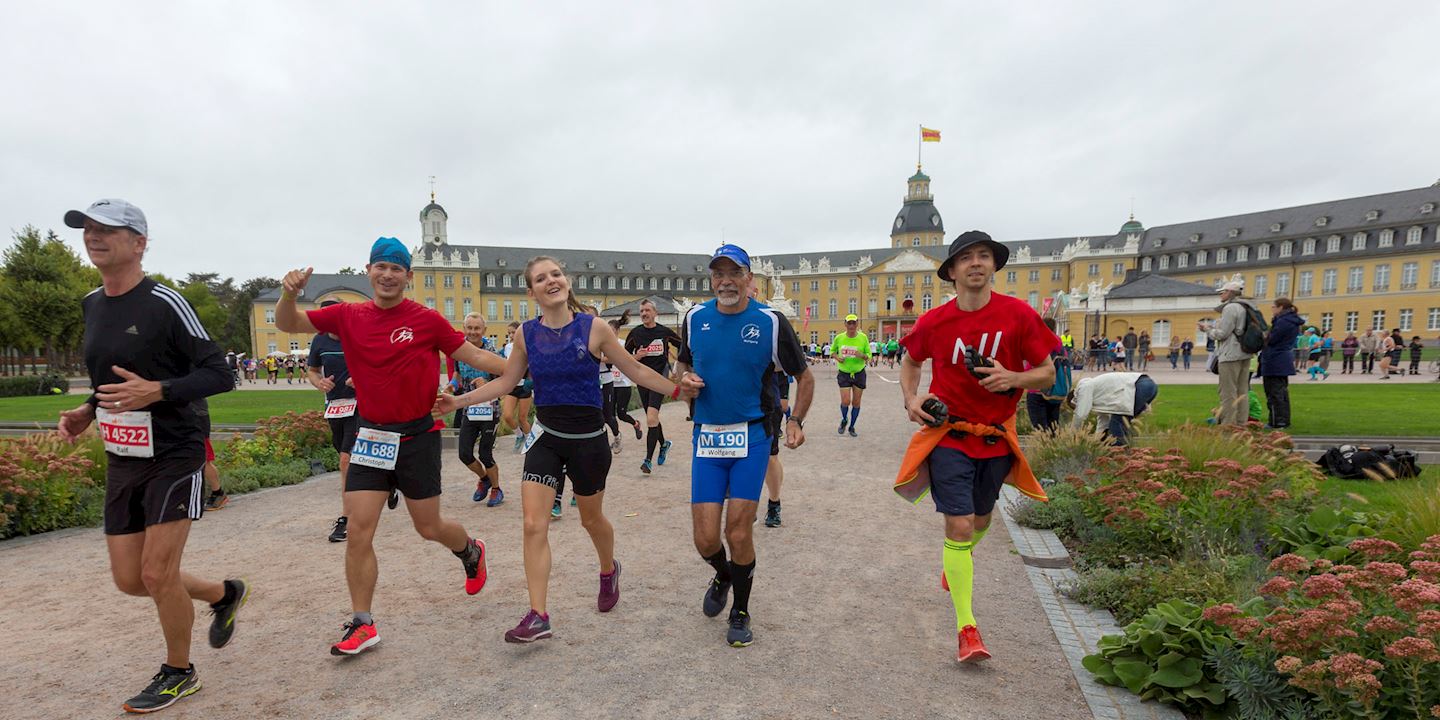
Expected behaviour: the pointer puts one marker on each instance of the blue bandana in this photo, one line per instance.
(388, 249)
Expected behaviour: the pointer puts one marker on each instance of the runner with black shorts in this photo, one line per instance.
(149, 359)
(325, 369)
(851, 349)
(390, 349)
(650, 344)
(562, 349)
(515, 407)
(966, 456)
(735, 344)
(477, 423)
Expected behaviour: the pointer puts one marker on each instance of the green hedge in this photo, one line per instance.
(28, 385)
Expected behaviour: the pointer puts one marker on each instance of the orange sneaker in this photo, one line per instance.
(357, 639)
(475, 571)
(972, 648)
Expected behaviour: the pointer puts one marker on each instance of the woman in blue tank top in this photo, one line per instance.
(561, 351)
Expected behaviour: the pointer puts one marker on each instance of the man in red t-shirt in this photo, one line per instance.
(391, 348)
(995, 333)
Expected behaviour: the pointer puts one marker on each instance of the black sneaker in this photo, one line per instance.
(841, 431)
(164, 690)
(337, 533)
(852, 432)
(772, 515)
(394, 499)
(739, 634)
(222, 628)
(716, 596)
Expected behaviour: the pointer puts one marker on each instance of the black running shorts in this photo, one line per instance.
(586, 462)
(342, 433)
(962, 485)
(141, 492)
(847, 380)
(649, 398)
(416, 474)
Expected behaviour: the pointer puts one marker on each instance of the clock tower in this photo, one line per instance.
(432, 223)
(918, 222)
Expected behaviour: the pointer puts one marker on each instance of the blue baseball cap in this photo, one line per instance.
(388, 249)
(734, 253)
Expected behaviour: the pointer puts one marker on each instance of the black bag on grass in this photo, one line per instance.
(1369, 463)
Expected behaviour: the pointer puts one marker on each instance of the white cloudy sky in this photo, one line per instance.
(263, 135)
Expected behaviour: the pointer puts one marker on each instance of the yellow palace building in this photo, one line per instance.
(1353, 264)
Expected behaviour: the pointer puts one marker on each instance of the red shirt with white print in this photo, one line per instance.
(1006, 330)
(392, 355)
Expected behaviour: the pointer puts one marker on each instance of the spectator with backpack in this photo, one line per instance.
(1277, 362)
(1043, 406)
(1117, 397)
(1238, 336)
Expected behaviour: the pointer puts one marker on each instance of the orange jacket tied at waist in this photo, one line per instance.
(913, 481)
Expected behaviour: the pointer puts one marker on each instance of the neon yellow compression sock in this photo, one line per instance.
(979, 535)
(960, 573)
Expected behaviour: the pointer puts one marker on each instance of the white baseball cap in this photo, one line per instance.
(1232, 286)
(112, 212)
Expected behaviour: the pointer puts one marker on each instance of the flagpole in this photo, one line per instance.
(919, 143)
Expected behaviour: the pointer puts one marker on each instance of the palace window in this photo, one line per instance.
(1356, 281)
(1164, 262)
(834, 285)
(852, 306)
(270, 315)
(465, 281)
(1412, 236)
(1327, 321)
(1307, 282)
(489, 280)
(855, 284)
(1182, 260)
(1034, 276)
(1332, 243)
(1432, 319)
(1382, 277)
(490, 309)
(1282, 284)
(507, 281)
(1309, 247)
(1118, 269)
(448, 281)
(1387, 238)
(1201, 258)
(625, 283)
(1054, 273)
(429, 281)
(1287, 248)
(1144, 266)
(1409, 275)
(814, 285)
(1407, 318)
(1352, 321)
(1328, 280)
(584, 282)
(1242, 253)
(467, 306)
(1094, 268)
(1262, 284)
(834, 308)
(1222, 255)
(1357, 241)
(926, 302)
(449, 308)
(1377, 320)
(1010, 277)
(1435, 273)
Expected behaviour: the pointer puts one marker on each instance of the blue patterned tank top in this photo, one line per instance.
(561, 363)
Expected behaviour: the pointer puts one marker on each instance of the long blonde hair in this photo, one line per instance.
(570, 301)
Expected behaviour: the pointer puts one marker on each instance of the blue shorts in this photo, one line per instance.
(962, 485)
(712, 480)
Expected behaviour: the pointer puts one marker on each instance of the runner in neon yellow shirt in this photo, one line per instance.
(850, 349)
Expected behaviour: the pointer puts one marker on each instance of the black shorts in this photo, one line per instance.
(586, 462)
(650, 399)
(342, 433)
(962, 485)
(141, 492)
(521, 391)
(774, 425)
(782, 386)
(416, 474)
(845, 380)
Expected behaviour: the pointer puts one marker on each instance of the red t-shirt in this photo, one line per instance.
(1006, 330)
(391, 355)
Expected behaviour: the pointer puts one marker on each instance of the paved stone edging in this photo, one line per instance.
(1077, 627)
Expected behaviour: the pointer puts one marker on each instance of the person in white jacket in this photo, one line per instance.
(1117, 397)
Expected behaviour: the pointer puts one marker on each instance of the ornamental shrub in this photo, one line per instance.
(1162, 656)
(1362, 639)
(48, 484)
(1129, 592)
(29, 385)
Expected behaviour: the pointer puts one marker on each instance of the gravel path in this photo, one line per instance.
(849, 617)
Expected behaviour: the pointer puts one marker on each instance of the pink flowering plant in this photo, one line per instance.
(1363, 638)
(1208, 493)
(47, 484)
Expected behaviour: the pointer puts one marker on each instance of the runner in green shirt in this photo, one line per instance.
(850, 350)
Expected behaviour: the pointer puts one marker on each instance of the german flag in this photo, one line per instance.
(928, 135)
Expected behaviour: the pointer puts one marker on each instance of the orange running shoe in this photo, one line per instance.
(357, 639)
(972, 648)
(475, 572)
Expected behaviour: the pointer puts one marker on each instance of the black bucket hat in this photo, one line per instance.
(966, 239)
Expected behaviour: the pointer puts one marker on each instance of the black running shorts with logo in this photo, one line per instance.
(141, 492)
(846, 380)
(342, 433)
(416, 474)
(586, 462)
(962, 485)
(649, 398)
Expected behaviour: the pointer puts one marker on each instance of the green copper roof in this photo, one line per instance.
(1132, 226)
(919, 176)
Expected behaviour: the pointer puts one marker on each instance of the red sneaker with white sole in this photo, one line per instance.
(475, 571)
(972, 648)
(357, 639)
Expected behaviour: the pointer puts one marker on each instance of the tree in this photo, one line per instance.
(211, 315)
(347, 270)
(43, 287)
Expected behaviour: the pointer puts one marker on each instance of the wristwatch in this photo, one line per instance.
(165, 390)
(798, 421)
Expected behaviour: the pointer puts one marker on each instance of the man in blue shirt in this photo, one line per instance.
(731, 347)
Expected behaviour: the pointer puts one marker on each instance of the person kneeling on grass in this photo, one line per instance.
(1118, 398)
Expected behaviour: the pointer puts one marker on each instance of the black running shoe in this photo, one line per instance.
(772, 515)
(222, 628)
(852, 432)
(716, 596)
(394, 499)
(739, 634)
(338, 533)
(164, 690)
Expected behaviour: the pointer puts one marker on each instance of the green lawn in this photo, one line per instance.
(232, 408)
(1399, 410)
(1392, 496)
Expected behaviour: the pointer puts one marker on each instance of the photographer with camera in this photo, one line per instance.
(968, 446)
